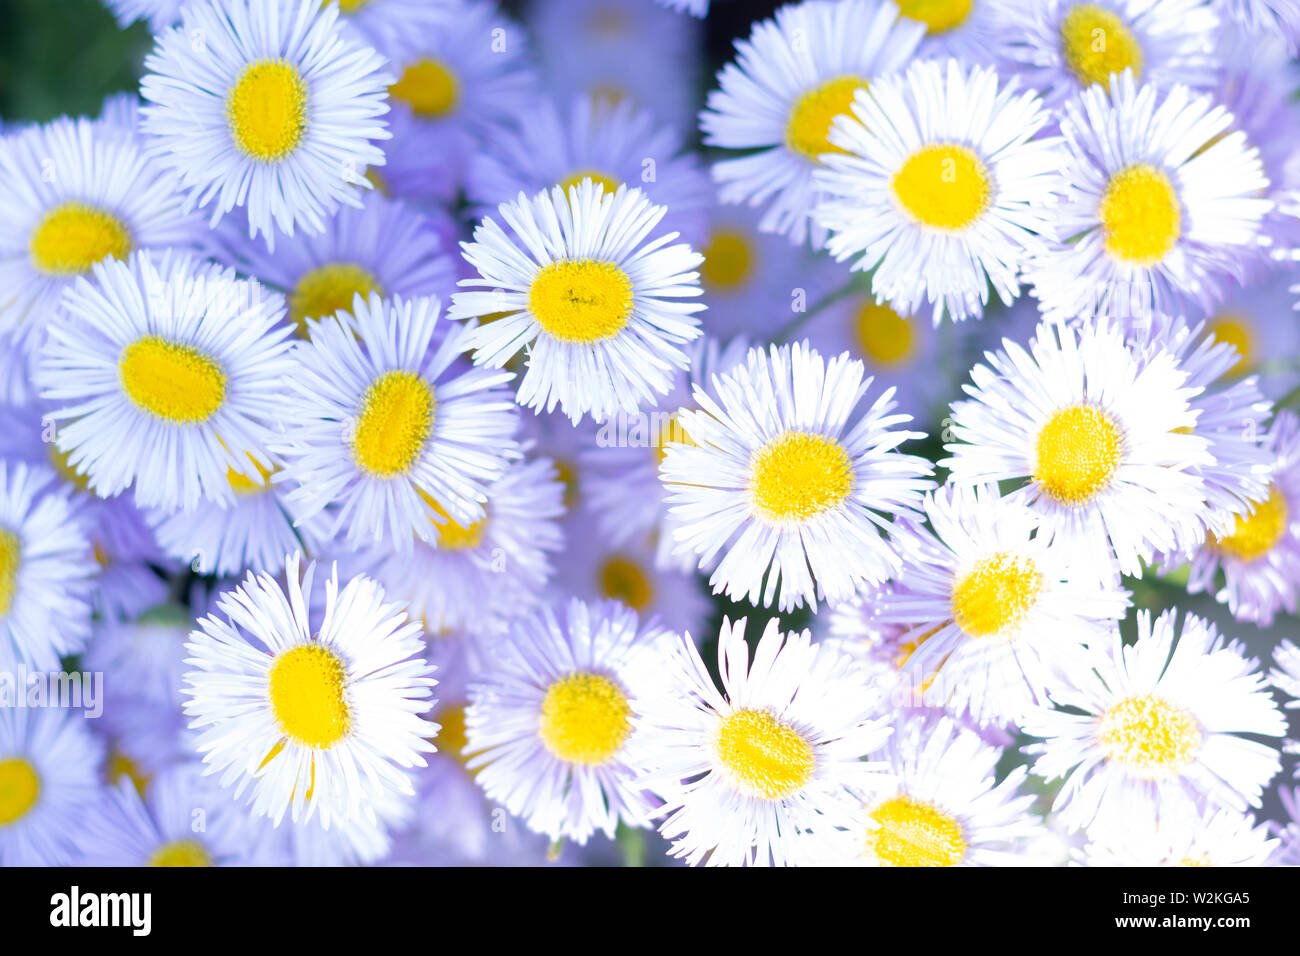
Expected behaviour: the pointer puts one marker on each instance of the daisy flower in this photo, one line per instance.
(789, 480)
(1155, 729)
(386, 426)
(1063, 47)
(1266, 18)
(747, 771)
(1162, 203)
(164, 373)
(994, 609)
(550, 726)
(1101, 438)
(592, 297)
(477, 576)
(1256, 320)
(791, 78)
(277, 111)
(386, 24)
(948, 808)
(970, 30)
(457, 86)
(1207, 837)
(46, 570)
(310, 712)
(610, 144)
(941, 187)
(74, 193)
(384, 247)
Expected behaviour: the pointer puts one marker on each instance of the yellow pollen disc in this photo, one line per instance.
(1140, 215)
(451, 535)
(1236, 330)
(1257, 533)
(763, 756)
(1202, 860)
(583, 300)
(121, 765)
(798, 475)
(429, 87)
(671, 431)
(814, 112)
(1077, 453)
(452, 738)
(11, 559)
(995, 595)
(72, 237)
(622, 579)
(728, 259)
(181, 853)
(328, 289)
(885, 336)
(937, 15)
(608, 183)
(585, 718)
(944, 185)
(1149, 737)
(241, 484)
(267, 110)
(20, 787)
(911, 833)
(306, 686)
(177, 383)
(568, 475)
(1096, 43)
(350, 6)
(395, 421)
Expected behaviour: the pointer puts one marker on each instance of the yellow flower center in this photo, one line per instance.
(608, 183)
(937, 15)
(945, 186)
(429, 87)
(995, 595)
(814, 112)
(1149, 737)
(1140, 215)
(1096, 43)
(451, 535)
(452, 736)
(350, 6)
(396, 419)
(763, 756)
(585, 718)
(72, 237)
(885, 336)
(329, 289)
(728, 259)
(241, 484)
(799, 475)
(909, 832)
(11, 559)
(181, 853)
(120, 764)
(1237, 331)
(582, 300)
(1257, 533)
(1077, 451)
(267, 110)
(177, 383)
(20, 788)
(671, 430)
(622, 579)
(306, 686)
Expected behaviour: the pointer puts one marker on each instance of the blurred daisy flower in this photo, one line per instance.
(970, 30)
(597, 302)
(941, 187)
(267, 106)
(1208, 837)
(789, 481)
(1155, 729)
(309, 713)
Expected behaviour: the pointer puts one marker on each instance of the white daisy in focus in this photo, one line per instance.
(386, 427)
(940, 187)
(1162, 203)
(747, 772)
(995, 610)
(788, 481)
(1155, 729)
(165, 373)
(550, 725)
(794, 74)
(599, 305)
(49, 779)
(309, 712)
(1208, 837)
(276, 111)
(1101, 436)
